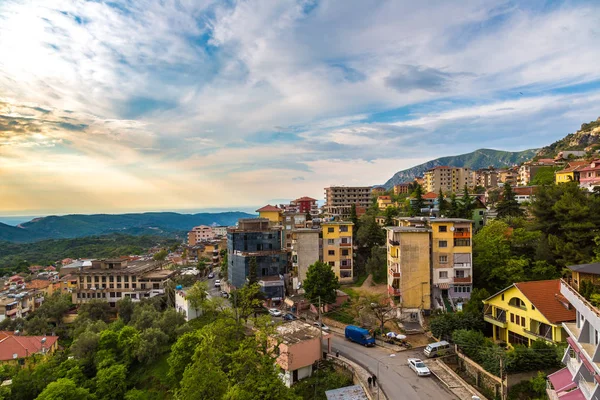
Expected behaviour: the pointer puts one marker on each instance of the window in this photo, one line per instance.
(443, 259)
(442, 228)
(516, 302)
(344, 228)
(443, 274)
(331, 252)
(512, 318)
(518, 320)
(344, 252)
(459, 274)
(330, 230)
(443, 243)
(330, 241)
(332, 263)
(502, 296)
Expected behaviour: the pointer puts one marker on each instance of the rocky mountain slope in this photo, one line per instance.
(586, 138)
(481, 158)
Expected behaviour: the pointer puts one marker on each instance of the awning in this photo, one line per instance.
(573, 395)
(562, 380)
(444, 286)
(573, 345)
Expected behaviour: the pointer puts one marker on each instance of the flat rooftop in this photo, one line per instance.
(297, 331)
(354, 392)
(407, 229)
(158, 274)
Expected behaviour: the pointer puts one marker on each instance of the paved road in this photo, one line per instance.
(398, 381)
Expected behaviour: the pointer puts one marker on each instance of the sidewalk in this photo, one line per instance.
(360, 374)
(453, 382)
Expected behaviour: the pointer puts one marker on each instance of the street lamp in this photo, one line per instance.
(378, 362)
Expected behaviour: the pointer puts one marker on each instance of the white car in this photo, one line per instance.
(323, 326)
(217, 283)
(418, 366)
(274, 312)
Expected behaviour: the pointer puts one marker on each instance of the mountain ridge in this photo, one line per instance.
(168, 224)
(480, 158)
(587, 137)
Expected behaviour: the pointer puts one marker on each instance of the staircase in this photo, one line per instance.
(447, 304)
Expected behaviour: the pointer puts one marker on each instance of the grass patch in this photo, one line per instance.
(341, 316)
(354, 295)
(360, 280)
(324, 379)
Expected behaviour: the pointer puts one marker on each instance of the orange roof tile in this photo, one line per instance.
(23, 346)
(267, 208)
(430, 196)
(305, 198)
(546, 297)
(384, 197)
(37, 284)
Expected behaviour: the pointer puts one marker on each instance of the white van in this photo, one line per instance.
(437, 349)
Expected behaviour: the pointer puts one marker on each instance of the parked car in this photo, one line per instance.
(290, 317)
(224, 294)
(321, 325)
(275, 312)
(211, 275)
(418, 366)
(359, 335)
(217, 283)
(437, 349)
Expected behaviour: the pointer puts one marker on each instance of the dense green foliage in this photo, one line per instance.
(321, 282)
(541, 355)
(46, 252)
(324, 379)
(442, 326)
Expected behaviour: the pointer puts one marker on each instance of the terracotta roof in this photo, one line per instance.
(546, 297)
(22, 346)
(268, 207)
(37, 284)
(384, 197)
(574, 166)
(524, 190)
(50, 268)
(430, 195)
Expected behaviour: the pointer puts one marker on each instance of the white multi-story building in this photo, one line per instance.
(201, 233)
(580, 379)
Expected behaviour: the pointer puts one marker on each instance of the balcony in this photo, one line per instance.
(394, 242)
(498, 321)
(587, 388)
(392, 291)
(347, 244)
(573, 365)
(572, 329)
(536, 335)
(462, 235)
(346, 267)
(394, 274)
(463, 279)
(461, 265)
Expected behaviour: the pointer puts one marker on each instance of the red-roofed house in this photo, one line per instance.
(14, 347)
(589, 177)
(527, 311)
(35, 268)
(16, 279)
(273, 213)
(384, 202)
(306, 205)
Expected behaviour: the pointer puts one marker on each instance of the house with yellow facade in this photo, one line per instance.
(384, 202)
(273, 213)
(447, 257)
(584, 272)
(408, 265)
(337, 248)
(527, 311)
(570, 173)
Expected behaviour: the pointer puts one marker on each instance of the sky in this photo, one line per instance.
(143, 105)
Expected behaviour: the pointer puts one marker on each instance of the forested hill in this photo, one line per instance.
(72, 226)
(481, 158)
(586, 138)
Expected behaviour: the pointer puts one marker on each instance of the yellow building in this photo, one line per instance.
(527, 311)
(450, 258)
(570, 173)
(272, 213)
(337, 248)
(409, 272)
(384, 202)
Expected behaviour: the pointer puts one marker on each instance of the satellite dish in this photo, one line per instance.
(15, 356)
(451, 229)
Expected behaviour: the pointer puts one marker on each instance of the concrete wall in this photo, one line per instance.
(414, 263)
(298, 355)
(307, 251)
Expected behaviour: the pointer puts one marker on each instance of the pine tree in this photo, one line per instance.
(442, 203)
(466, 205)
(252, 277)
(453, 209)
(419, 203)
(509, 206)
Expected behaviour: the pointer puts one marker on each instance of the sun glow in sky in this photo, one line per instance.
(143, 105)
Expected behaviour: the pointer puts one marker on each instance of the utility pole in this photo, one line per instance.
(320, 331)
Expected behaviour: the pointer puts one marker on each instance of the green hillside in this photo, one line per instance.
(481, 158)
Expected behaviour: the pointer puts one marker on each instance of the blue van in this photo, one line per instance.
(359, 335)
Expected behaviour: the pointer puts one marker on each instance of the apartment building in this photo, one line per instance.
(528, 170)
(114, 279)
(273, 213)
(580, 379)
(339, 200)
(337, 248)
(443, 260)
(528, 311)
(402, 188)
(377, 191)
(306, 205)
(447, 179)
(220, 230)
(257, 238)
(486, 177)
(510, 176)
(409, 267)
(306, 251)
(199, 234)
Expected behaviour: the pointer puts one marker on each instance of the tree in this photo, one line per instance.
(418, 203)
(253, 270)
(508, 206)
(467, 205)
(197, 295)
(64, 389)
(151, 345)
(224, 267)
(377, 264)
(125, 308)
(442, 203)
(354, 217)
(181, 355)
(544, 176)
(111, 382)
(379, 307)
(370, 233)
(475, 303)
(453, 207)
(94, 310)
(161, 255)
(390, 213)
(247, 300)
(321, 282)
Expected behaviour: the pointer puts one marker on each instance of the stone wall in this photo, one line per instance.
(480, 377)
